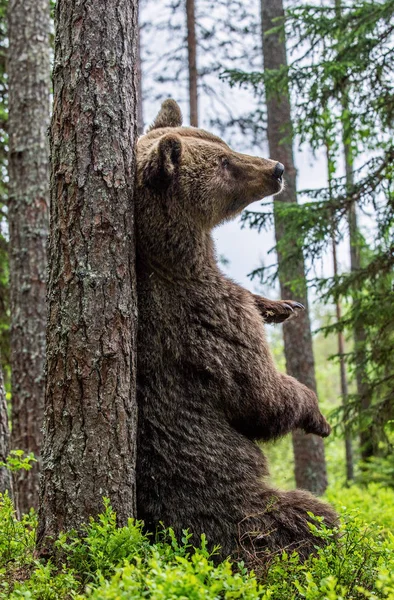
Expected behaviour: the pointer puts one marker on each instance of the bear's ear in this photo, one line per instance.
(163, 161)
(169, 116)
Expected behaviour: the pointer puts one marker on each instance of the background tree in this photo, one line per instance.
(28, 89)
(192, 62)
(310, 467)
(355, 57)
(340, 337)
(89, 435)
(359, 334)
(351, 52)
(215, 34)
(4, 263)
(140, 111)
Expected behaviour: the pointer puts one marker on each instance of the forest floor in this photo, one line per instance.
(111, 563)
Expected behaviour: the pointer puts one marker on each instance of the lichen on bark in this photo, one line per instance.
(29, 92)
(90, 420)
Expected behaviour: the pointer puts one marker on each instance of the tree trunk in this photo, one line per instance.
(29, 89)
(367, 444)
(342, 370)
(140, 112)
(341, 341)
(310, 465)
(5, 475)
(192, 61)
(90, 405)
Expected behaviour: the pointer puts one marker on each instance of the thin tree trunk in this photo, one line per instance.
(341, 342)
(359, 334)
(140, 112)
(310, 465)
(29, 89)
(342, 370)
(367, 446)
(192, 61)
(90, 405)
(5, 475)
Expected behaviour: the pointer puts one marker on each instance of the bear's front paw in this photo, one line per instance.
(318, 426)
(278, 311)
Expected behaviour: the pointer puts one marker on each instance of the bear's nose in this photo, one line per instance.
(278, 171)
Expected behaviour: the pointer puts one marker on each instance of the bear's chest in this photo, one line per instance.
(212, 328)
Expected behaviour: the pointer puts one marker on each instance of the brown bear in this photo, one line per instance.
(207, 386)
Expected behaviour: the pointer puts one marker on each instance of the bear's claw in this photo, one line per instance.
(277, 311)
(286, 305)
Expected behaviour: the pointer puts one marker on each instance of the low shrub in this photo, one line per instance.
(373, 502)
(111, 563)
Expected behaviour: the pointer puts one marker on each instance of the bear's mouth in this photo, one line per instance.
(280, 185)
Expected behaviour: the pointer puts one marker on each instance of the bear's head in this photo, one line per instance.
(191, 180)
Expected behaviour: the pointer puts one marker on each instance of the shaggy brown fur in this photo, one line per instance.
(207, 384)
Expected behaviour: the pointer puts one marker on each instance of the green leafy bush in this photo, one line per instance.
(111, 563)
(374, 503)
(17, 460)
(16, 537)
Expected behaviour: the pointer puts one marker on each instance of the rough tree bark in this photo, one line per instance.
(5, 475)
(192, 61)
(29, 89)
(90, 406)
(310, 465)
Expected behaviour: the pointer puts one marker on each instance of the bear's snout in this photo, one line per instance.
(278, 171)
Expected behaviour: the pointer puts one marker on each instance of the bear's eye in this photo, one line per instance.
(225, 162)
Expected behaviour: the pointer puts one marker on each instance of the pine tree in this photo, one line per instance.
(340, 338)
(359, 334)
(355, 57)
(4, 263)
(140, 111)
(192, 61)
(310, 467)
(90, 405)
(212, 34)
(28, 89)
(351, 53)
